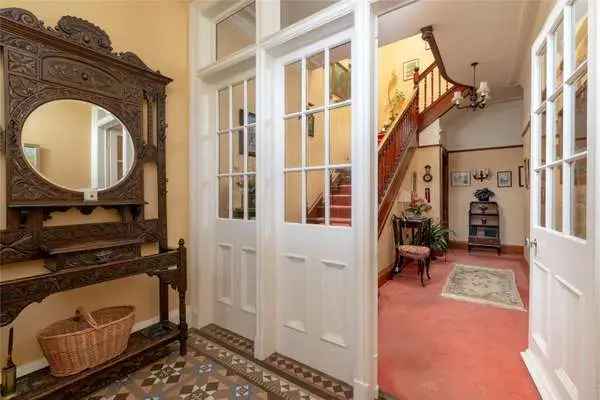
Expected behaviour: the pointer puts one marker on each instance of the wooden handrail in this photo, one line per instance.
(427, 35)
(398, 118)
(395, 144)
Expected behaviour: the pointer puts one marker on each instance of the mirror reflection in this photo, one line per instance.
(77, 145)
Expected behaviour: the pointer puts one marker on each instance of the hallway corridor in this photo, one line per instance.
(432, 347)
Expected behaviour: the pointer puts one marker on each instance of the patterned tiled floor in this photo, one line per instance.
(318, 382)
(210, 371)
(229, 339)
(309, 376)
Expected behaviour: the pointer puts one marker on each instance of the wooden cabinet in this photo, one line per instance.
(484, 225)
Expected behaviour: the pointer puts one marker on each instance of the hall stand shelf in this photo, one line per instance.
(484, 225)
(75, 61)
(144, 346)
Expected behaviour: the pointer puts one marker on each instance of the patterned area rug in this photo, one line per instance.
(492, 286)
(209, 371)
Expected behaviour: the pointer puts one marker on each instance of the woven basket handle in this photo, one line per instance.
(82, 313)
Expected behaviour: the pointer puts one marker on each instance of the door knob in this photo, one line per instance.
(531, 242)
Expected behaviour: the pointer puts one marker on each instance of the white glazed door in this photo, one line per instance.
(562, 351)
(315, 267)
(235, 253)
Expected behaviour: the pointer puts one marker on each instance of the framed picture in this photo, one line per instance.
(340, 81)
(461, 178)
(408, 69)
(521, 176)
(527, 171)
(32, 154)
(251, 133)
(504, 179)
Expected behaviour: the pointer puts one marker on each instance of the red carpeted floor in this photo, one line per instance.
(431, 347)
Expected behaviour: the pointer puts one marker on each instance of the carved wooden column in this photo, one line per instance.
(181, 289)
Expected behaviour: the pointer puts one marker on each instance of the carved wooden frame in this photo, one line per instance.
(75, 60)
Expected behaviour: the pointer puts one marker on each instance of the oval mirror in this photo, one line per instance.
(77, 145)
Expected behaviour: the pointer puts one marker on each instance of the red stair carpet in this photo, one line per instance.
(434, 348)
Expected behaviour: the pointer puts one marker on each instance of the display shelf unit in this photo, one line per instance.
(484, 225)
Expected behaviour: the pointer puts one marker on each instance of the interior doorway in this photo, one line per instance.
(446, 326)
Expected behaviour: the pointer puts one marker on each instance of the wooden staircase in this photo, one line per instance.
(340, 200)
(432, 98)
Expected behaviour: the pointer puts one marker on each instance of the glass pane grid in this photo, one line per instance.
(561, 124)
(236, 172)
(313, 139)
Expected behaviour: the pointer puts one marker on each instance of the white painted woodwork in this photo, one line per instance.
(331, 289)
(562, 356)
(315, 318)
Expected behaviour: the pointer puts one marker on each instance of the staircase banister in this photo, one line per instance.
(427, 35)
(426, 71)
(398, 119)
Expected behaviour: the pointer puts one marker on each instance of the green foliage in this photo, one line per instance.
(439, 238)
(436, 237)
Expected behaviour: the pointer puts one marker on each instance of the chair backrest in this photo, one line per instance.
(397, 225)
(418, 235)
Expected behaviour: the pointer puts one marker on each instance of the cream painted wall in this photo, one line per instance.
(510, 200)
(497, 125)
(157, 32)
(390, 59)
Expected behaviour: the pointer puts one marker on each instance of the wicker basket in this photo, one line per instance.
(86, 340)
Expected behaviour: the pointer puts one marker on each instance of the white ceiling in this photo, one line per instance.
(493, 32)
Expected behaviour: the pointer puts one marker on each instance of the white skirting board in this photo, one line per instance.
(42, 363)
(541, 382)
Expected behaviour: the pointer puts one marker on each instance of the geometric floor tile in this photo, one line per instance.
(310, 378)
(209, 371)
(229, 339)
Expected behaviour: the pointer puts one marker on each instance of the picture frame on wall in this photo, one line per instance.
(527, 172)
(408, 69)
(339, 77)
(460, 178)
(521, 176)
(504, 179)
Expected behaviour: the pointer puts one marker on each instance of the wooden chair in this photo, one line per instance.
(420, 254)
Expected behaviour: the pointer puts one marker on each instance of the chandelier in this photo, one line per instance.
(475, 99)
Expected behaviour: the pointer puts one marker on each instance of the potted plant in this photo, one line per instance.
(484, 194)
(439, 238)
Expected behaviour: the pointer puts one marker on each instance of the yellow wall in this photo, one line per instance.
(157, 32)
(430, 155)
(510, 200)
(390, 59)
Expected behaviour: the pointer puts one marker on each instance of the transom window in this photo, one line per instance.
(317, 138)
(561, 121)
(235, 31)
(236, 150)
